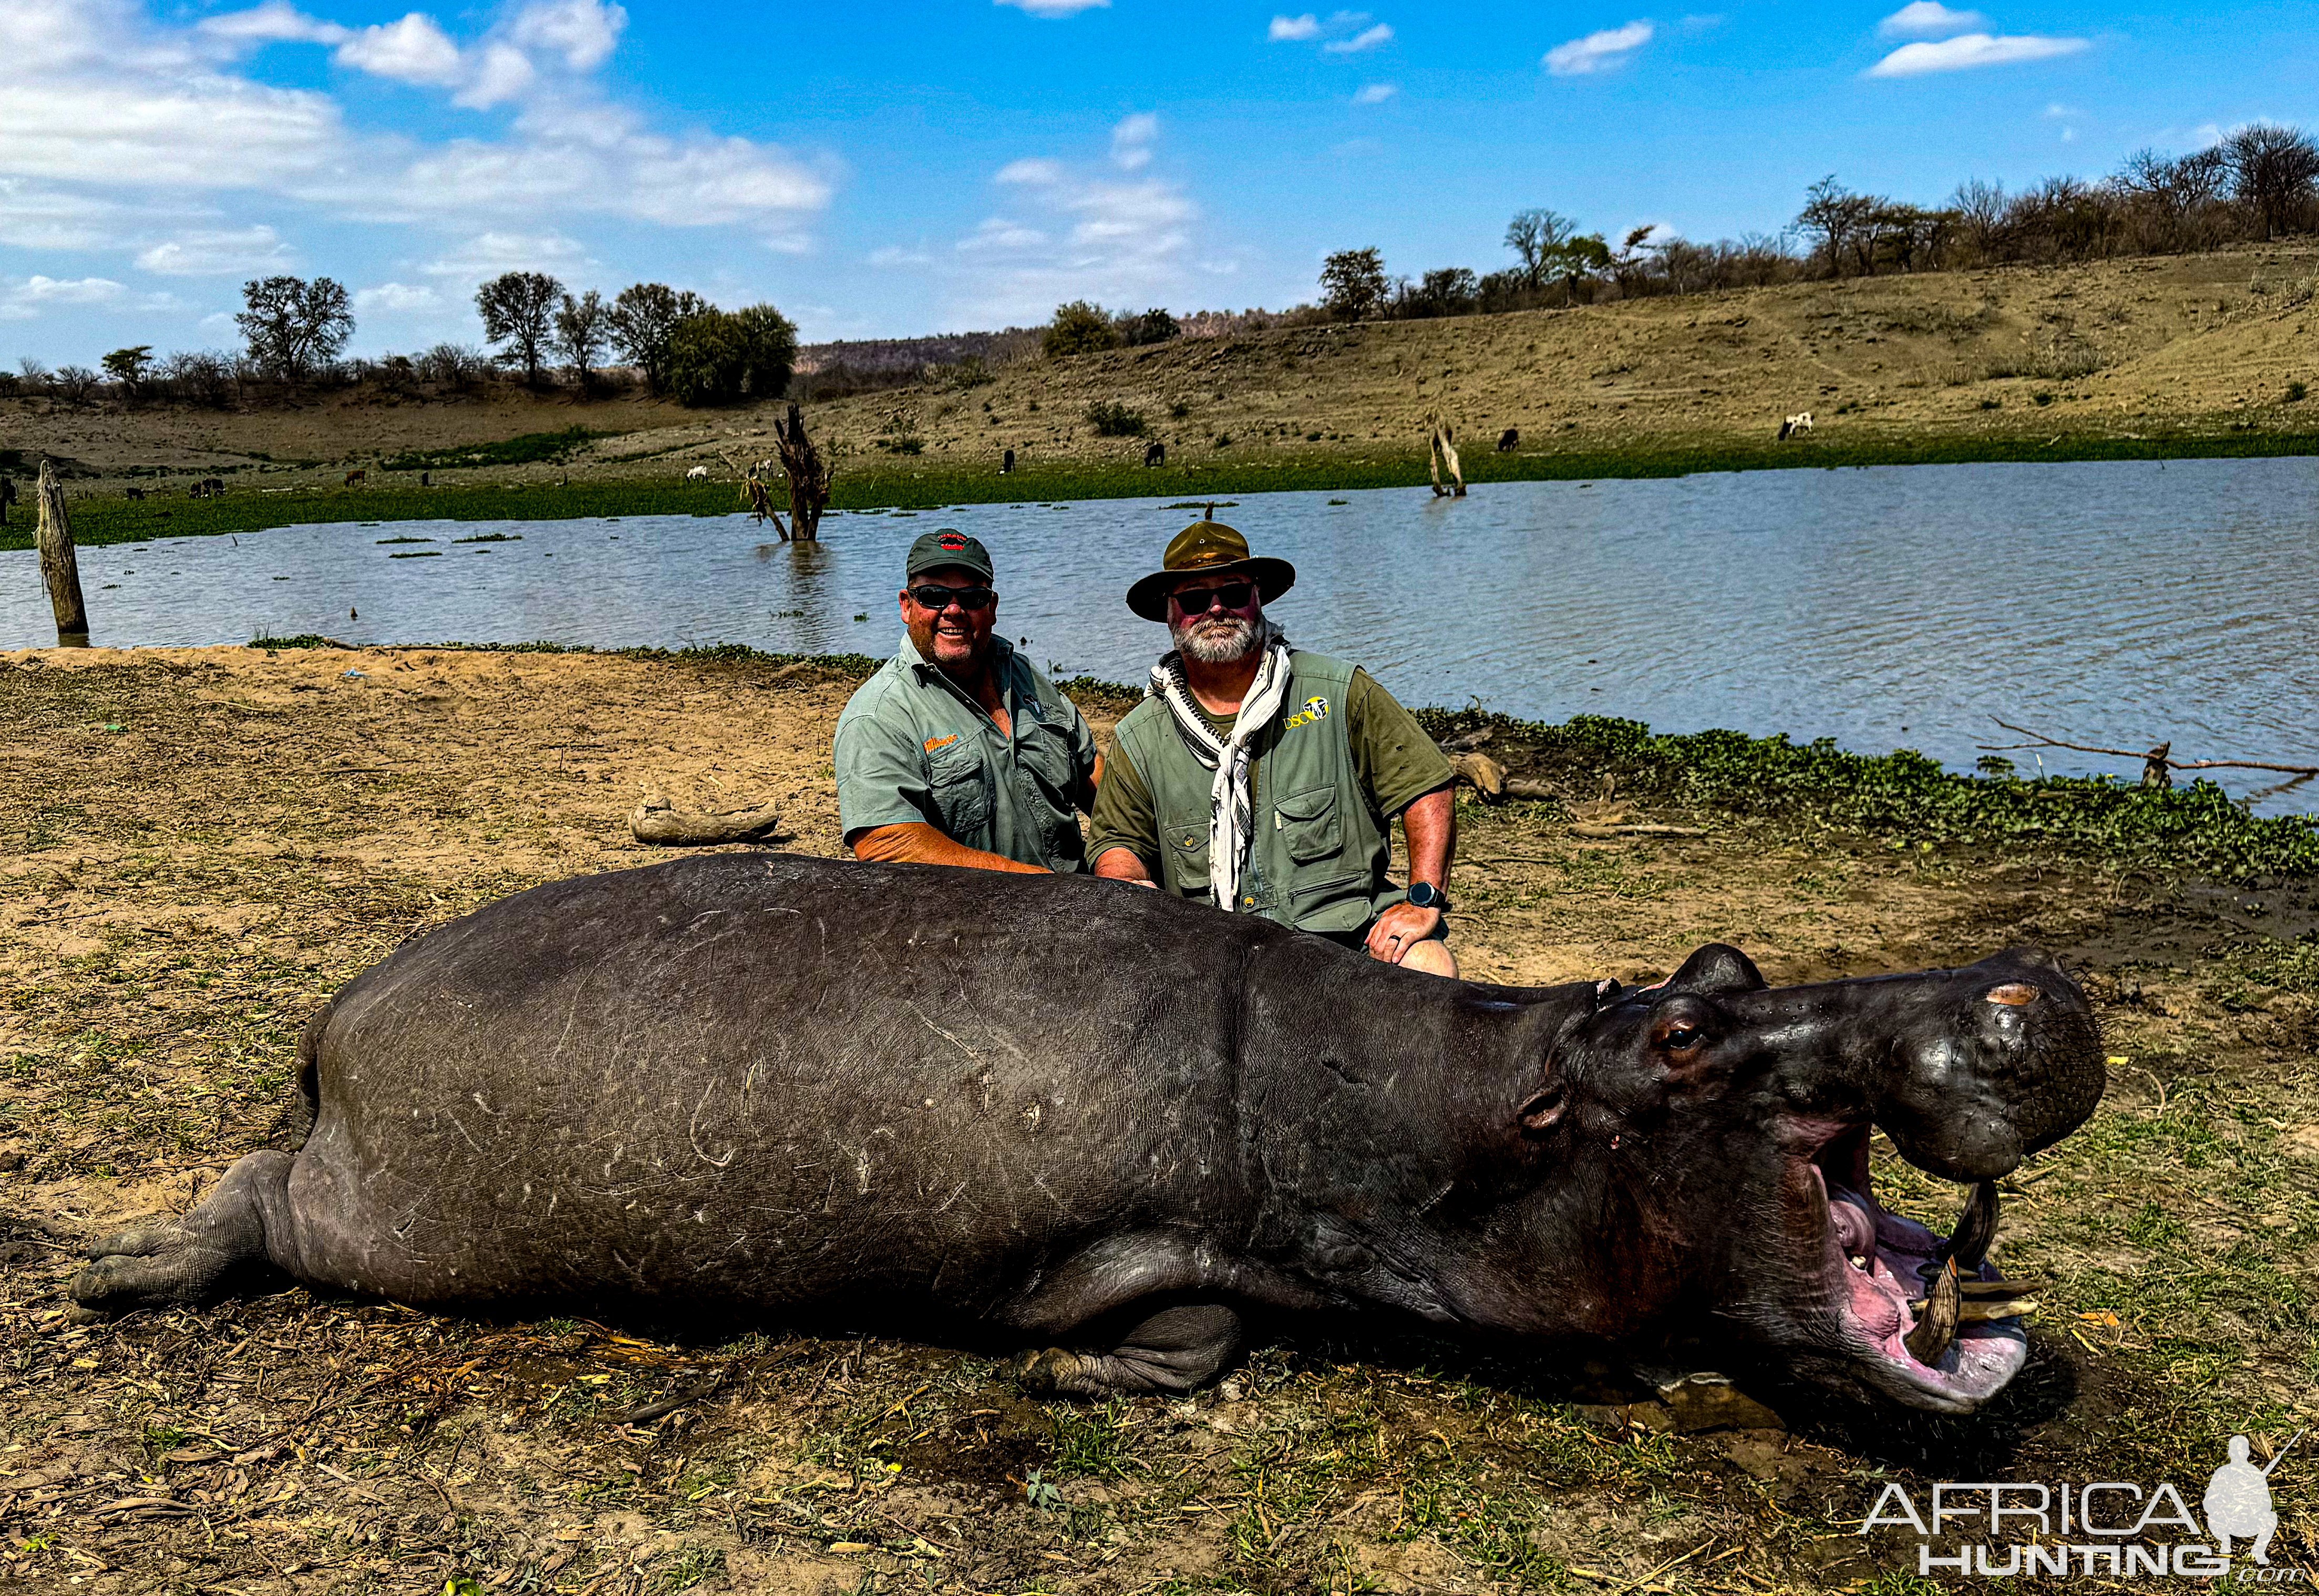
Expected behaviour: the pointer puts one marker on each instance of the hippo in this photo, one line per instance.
(1099, 1128)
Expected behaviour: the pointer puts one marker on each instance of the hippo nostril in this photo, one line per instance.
(2013, 994)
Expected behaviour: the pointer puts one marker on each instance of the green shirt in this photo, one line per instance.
(912, 746)
(1395, 762)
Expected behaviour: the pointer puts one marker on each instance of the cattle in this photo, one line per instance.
(209, 487)
(699, 474)
(1007, 463)
(135, 493)
(1508, 440)
(1155, 454)
(1795, 426)
(358, 474)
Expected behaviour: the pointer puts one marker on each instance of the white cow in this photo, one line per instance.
(1795, 426)
(699, 474)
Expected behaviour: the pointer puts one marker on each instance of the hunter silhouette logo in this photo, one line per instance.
(2238, 1501)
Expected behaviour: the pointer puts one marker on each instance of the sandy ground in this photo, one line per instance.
(201, 844)
(2135, 347)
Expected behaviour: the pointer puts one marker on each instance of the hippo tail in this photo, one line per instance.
(296, 1121)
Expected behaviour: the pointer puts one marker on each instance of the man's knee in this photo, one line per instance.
(1433, 957)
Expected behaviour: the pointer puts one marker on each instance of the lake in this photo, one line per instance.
(2112, 603)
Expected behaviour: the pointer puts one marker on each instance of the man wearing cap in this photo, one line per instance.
(1264, 779)
(957, 752)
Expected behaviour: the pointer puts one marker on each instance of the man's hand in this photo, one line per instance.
(1119, 864)
(1401, 928)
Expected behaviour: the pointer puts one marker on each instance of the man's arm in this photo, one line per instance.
(1431, 825)
(1119, 864)
(1125, 827)
(913, 841)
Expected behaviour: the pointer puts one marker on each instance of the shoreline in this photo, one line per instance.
(107, 518)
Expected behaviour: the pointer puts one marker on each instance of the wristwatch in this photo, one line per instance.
(1425, 895)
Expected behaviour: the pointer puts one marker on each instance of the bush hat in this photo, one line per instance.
(1206, 548)
(938, 550)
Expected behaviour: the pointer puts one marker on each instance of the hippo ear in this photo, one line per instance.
(1717, 969)
(1543, 1108)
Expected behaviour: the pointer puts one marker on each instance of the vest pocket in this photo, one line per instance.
(1311, 826)
(1186, 836)
(961, 792)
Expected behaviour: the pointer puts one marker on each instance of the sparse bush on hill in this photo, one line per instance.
(717, 356)
(1079, 327)
(1111, 419)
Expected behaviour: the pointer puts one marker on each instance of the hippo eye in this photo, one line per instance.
(1681, 1038)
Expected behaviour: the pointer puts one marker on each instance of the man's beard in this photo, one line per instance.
(1218, 640)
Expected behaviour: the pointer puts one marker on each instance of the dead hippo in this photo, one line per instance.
(1055, 1110)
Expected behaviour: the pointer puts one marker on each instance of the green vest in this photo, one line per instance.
(1319, 856)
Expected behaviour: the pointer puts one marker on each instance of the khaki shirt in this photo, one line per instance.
(912, 746)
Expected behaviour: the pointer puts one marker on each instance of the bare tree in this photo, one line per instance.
(1537, 237)
(2273, 174)
(583, 327)
(518, 311)
(293, 326)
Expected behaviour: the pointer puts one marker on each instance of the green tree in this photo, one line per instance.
(1353, 283)
(717, 356)
(583, 328)
(1535, 236)
(129, 368)
(518, 311)
(645, 316)
(1079, 327)
(292, 326)
(1152, 327)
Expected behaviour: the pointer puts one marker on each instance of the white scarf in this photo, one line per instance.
(1230, 821)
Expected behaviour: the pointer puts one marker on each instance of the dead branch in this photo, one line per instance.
(2156, 762)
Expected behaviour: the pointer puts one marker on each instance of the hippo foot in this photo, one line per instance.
(193, 1261)
(1173, 1351)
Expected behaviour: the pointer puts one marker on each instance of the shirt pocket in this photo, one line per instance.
(1310, 825)
(1184, 835)
(961, 791)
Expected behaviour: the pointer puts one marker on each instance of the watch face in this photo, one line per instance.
(1424, 895)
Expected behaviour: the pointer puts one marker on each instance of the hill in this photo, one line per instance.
(2190, 354)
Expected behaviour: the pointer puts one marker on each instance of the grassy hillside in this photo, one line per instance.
(2174, 356)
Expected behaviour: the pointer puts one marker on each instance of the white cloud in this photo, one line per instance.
(397, 299)
(1375, 94)
(1972, 50)
(1054, 7)
(583, 33)
(275, 22)
(999, 233)
(1294, 28)
(1598, 52)
(22, 299)
(1368, 39)
(1929, 19)
(218, 253)
(1030, 171)
(1132, 141)
(894, 255)
(414, 50)
(33, 217)
(487, 255)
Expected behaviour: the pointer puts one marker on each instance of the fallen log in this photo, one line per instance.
(1485, 775)
(659, 822)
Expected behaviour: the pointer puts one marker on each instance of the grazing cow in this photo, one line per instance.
(358, 474)
(135, 493)
(1155, 454)
(7, 497)
(216, 486)
(1007, 463)
(699, 474)
(426, 478)
(1795, 427)
(1508, 440)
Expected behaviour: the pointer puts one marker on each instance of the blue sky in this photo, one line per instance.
(881, 170)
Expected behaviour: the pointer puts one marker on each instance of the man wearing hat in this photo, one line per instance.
(957, 752)
(1264, 779)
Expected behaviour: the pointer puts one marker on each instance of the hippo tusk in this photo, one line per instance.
(1985, 1310)
(2000, 1288)
(1976, 1228)
(1937, 1325)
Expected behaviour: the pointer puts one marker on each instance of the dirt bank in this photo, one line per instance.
(197, 845)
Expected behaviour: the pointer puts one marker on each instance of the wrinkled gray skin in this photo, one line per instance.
(1056, 1111)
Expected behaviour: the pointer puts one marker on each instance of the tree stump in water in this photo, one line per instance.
(808, 475)
(60, 566)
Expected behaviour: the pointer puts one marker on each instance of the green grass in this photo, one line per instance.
(930, 483)
(530, 450)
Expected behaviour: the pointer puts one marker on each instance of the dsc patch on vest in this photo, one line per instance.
(1315, 708)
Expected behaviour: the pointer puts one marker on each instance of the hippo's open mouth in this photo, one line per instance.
(1933, 1338)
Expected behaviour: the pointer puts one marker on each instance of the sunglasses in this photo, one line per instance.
(938, 599)
(1232, 595)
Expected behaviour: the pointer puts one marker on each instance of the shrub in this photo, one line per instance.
(1153, 327)
(1079, 327)
(716, 356)
(1111, 419)
(2296, 392)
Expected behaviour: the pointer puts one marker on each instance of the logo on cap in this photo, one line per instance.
(954, 541)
